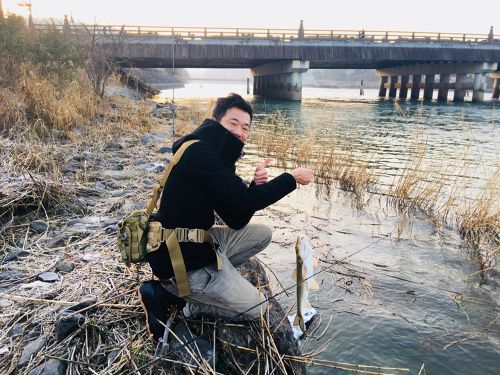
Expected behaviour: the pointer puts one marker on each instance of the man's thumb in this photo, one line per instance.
(265, 163)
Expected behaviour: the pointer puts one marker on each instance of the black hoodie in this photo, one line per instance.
(204, 181)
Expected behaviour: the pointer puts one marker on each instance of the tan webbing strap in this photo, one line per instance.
(181, 279)
(159, 186)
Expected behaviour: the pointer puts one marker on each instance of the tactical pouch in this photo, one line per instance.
(132, 237)
(132, 231)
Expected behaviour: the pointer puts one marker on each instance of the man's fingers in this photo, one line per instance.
(264, 164)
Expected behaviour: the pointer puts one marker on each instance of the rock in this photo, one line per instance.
(5, 303)
(142, 161)
(84, 303)
(108, 222)
(158, 168)
(16, 254)
(148, 182)
(67, 324)
(100, 185)
(51, 367)
(147, 138)
(65, 267)
(35, 332)
(4, 350)
(39, 226)
(112, 146)
(112, 355)
(16, 330)
(204, 347)
(117, 193)
(244, 333)
(35, 285)
(72, 222)
(121, 175)
(90, 257)
(58, 241)
(152, 167)
(31, 350)
(73, 168)
(118, 167)
(48, 277)
(11, 275)
(164, 150)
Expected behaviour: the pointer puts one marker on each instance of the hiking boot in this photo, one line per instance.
(156, 302)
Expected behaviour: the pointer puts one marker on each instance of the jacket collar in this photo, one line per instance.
(228, 147)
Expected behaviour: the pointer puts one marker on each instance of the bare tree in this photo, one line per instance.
(98, 45)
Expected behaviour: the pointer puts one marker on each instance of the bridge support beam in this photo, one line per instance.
(382, 90)
(496, 88)
(479, 87)
(280, 80)
(444, 80)
(403, 90)
(415, 88)
(461, 70)
(459, 94)
(429, 86)
(392, 88)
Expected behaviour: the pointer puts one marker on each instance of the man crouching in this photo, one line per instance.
(195, 259)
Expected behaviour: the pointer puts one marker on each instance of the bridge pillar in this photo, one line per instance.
(403, 90)
(392, 87)
(459, 93)
(415, 88)
(382, 90)
(496, 88)
(280, 80)
(444, 80)
(479, 87)
(429, 86)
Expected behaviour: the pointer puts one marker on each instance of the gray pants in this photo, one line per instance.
(226, 293)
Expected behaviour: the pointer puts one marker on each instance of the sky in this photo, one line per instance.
(423, 15)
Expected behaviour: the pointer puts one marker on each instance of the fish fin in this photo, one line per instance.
(313, 284)
(304, 270)
(299, 321)
(294, 275)
(315, 262)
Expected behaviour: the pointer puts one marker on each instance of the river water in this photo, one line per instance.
(429, 306)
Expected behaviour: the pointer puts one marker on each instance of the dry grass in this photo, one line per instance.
(191, 115)
(331, 157)
(479, 222)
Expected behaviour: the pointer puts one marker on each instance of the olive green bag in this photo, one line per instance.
(132, 231)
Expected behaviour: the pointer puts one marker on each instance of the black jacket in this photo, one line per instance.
(204, 181)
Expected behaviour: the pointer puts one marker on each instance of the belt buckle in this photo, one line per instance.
(191, 235)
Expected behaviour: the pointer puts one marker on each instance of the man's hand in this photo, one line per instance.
(260, 176)
(303, 176)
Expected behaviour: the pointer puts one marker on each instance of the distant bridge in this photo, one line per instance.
(278, 57)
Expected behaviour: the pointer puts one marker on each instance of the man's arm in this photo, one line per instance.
(234, 201)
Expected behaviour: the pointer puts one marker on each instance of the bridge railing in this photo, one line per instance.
(286, 35)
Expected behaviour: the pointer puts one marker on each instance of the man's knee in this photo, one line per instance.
(263, 233)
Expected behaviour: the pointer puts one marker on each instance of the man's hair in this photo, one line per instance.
(231, 101)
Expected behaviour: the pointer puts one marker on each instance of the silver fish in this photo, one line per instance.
(305, 270)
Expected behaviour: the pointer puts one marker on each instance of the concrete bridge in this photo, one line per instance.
(278, 57)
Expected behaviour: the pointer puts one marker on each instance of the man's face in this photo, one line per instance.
(237, 122)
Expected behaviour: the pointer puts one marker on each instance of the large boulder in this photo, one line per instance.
(238, 343)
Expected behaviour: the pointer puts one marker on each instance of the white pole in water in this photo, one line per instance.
(173, 86)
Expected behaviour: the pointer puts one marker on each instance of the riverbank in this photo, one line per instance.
(59, 249)
(60, 205)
